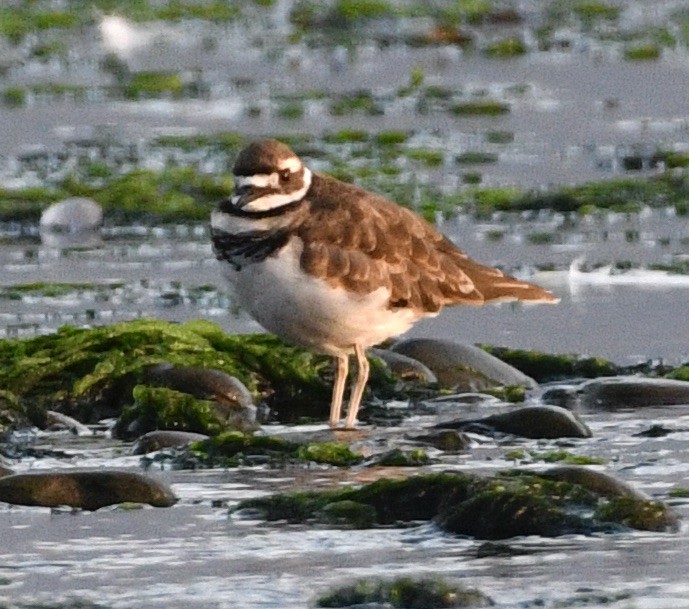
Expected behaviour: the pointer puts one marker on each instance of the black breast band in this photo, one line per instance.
(246, 248)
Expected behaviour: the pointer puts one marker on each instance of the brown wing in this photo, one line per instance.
(365, 242)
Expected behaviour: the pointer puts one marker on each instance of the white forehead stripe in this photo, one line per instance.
(259, 180)
(277, 199)
(292, 163)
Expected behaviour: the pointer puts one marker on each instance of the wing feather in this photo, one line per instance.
(365, 242)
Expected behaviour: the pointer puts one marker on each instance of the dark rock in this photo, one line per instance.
(601, 483)
(88, 489)
(5, 471)
(632, 392)
(202, 383)
(462, 366)
(404, 367)
(447, 440)
(529, 422)
(655, 431)
(62, 421)
(159, 439)
(491, 549)
(564, 396)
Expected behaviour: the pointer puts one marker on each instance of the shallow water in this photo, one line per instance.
(170, 273)
(195, 555)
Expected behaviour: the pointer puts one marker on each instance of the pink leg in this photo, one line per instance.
(359, 386)
(338, 388)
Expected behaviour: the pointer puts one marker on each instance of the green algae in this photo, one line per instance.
(554, 456)
(348, 514)
(14, 97)
(643, 52)
(592, 11)
(545, 367)
(480, 108)
(507, 48)
(430, 158)
(164, 408)
(510, 393)
(406, 593)
(12, 413)
(154, 84)
(89, 372)
(355, 10)
(637, 514)
(333, 453)
(51, 289)
(234, 448)
(344, 136)
(391, 138)
(401, 458)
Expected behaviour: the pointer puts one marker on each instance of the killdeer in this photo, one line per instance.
(336, 269)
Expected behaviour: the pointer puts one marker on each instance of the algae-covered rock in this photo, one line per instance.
(167, 409)
(90, 373)
(204, 383)
(232, 448)
(88, 489)
(504, 506)
(58, 421)
(404, 367)
(348, 513)
(447, 440)
(602, 483)
(548, 367)
(334, 453)
(530, 422)
(400, 458)
(502, 511)
(462, 366)
(632, 392)
(405, 593)
(413, 499)
(636, 514)
(12, 413)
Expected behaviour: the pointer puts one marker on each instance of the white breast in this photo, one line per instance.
(309, 312)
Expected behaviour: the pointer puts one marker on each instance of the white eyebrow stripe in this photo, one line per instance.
(291, 163)
(271, 201)
(259, 180)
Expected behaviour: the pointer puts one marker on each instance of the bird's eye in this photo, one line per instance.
(284, 175)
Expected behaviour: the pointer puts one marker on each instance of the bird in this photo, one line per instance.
(334, 268)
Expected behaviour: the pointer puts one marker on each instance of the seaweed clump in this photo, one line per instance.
(500, 507)
(91, 374)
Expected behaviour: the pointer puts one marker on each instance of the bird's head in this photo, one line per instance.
(267, 176)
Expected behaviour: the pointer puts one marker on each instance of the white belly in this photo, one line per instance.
(309, 312)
